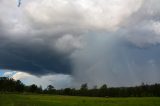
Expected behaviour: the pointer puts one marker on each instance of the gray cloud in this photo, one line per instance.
(142, 27)
(33, 57)
(95, 41)
(120, 64)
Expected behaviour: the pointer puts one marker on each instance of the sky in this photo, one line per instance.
(70, 42)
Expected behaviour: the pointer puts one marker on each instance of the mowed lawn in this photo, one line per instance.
(49, 100)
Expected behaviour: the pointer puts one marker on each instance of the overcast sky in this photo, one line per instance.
(70, 42)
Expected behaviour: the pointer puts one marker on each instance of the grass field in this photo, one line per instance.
(48, 100)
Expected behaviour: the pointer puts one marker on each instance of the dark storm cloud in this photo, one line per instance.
(95, 41)
(32, 57)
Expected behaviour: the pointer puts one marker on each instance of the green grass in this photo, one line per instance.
(49, 100)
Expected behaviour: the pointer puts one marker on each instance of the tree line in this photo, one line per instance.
(8, 85)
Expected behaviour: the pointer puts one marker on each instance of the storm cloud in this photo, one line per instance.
(95, 41)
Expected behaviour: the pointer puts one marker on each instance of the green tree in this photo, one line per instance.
(19, 86)
(33, 88)
(103, 90)
(84, 87)
(84, 90)
(50, 87)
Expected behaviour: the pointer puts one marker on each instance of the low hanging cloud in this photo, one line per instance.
(103, 41)
(59, 81)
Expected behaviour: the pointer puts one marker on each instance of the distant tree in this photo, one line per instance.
(94, 91)
(95, 87)
(67, 91)
(11, 85)
(50, 87)
(103, 87)
(19, 86)
(103, 90)
(84, 87)
(33, 88)
(40, 90)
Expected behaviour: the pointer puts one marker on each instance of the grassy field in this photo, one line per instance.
(48, 100)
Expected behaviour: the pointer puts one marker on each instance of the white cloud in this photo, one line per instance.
(50, 14)
(57, 80)
(68, 43)
(156, 27)
(99, 14)
(142, 28)
(21, 75)
(8, 74)
(63, 19)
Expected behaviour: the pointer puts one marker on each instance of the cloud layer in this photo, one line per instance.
(94, 41)
(59, 81)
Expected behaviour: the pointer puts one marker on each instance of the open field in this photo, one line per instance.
(48, 100)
